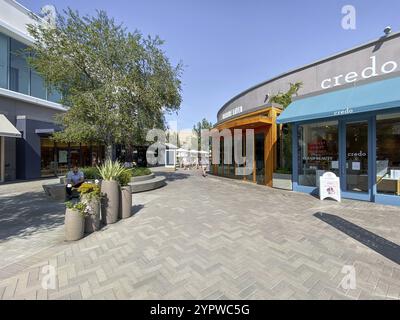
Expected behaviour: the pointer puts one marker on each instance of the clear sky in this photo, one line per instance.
(228, 46)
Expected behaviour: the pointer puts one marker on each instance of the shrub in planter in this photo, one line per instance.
(91, 196)
(91, 173)
(126, 194)
(138, 172)
(110, 172)
(74, 221)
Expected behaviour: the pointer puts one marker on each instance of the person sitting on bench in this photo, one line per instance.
(75, 179)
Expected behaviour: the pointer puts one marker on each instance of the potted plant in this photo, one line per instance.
(74, 221)
(109, 172)
(126, 194)
(91, 196)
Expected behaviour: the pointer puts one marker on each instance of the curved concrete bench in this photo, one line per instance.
(55, 191)
(147, 185)
(143, 178)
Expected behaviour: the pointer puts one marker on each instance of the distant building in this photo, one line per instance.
(27, 107)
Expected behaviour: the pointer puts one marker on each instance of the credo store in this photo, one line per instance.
(345, 119)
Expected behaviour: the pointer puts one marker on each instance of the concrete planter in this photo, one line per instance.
(74, 225)
(110, 201)
(126, 202)
(92, 219)
(282, 181)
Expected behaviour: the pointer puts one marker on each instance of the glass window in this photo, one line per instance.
(318, 151)
(19, 69)
(387, 154)
(38, 88)
(3, 61)
(47, 157)
(53, 95)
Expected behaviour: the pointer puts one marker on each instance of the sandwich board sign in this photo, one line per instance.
(329, 187)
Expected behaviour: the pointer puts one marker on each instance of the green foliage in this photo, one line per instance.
(117, 84)
(91, 173)
(125, 177)
(204, 124)
(111, 170)
(138, 172)
(283, 171)
(284, 99)
(90, 190)
(78, 207)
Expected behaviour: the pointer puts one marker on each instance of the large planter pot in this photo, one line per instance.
(126, 202)
(92, 218)
(110, 201)
(74, 225)
(282, 181)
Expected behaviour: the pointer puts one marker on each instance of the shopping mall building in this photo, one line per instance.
(345, 119)
(28, 108)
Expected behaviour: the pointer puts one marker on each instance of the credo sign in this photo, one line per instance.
(329, 187)
(373, 70)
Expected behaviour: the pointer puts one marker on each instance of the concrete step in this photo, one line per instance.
(143, 178)
(147, 185)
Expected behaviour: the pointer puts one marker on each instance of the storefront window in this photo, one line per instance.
(38, 88)
(48, 160)
(19, 69)
(3, 61)
(318, 151)
(387, 154)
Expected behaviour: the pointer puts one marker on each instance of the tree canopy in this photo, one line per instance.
(202, 125)
(116, 84)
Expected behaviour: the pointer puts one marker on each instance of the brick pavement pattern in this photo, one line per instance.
(212, 238)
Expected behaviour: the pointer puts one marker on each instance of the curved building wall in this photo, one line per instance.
(371, 61)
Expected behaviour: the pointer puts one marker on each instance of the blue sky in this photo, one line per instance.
(228, 46)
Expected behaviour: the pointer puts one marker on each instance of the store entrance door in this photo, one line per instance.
(357, 153)
(259, 158)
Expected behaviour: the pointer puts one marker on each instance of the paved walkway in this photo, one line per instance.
(214, 239)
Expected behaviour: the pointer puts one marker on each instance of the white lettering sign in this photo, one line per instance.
(369, 72)
(232, 112)
(329, 187)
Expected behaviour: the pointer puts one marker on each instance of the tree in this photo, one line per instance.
(117, 84)
(202, 125)
(285, 99)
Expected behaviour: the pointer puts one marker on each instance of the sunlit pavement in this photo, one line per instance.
(203, 238)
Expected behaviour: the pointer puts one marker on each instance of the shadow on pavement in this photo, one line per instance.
(173, 176)
(136, 209)
(25, 214)
(386, 248)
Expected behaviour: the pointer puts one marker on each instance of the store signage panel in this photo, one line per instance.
(329, 187)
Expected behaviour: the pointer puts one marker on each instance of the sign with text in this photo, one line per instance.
(329, 187)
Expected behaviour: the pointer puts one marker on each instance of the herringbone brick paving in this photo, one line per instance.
(217, 239)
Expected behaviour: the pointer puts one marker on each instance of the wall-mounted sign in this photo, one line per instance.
(232, 112)
(329, 187)
(375, 69)
(356, 166)
(62, 156)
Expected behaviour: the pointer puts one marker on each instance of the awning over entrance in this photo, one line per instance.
(7, 129)
(374, 96)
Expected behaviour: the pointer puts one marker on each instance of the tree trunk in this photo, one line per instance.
(110, 154)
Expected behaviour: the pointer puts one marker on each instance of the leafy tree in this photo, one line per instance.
(117, 84)
(202, 125)
(284, 99)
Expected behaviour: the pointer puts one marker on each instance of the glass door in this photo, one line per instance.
(357, 152)
(260, 161)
